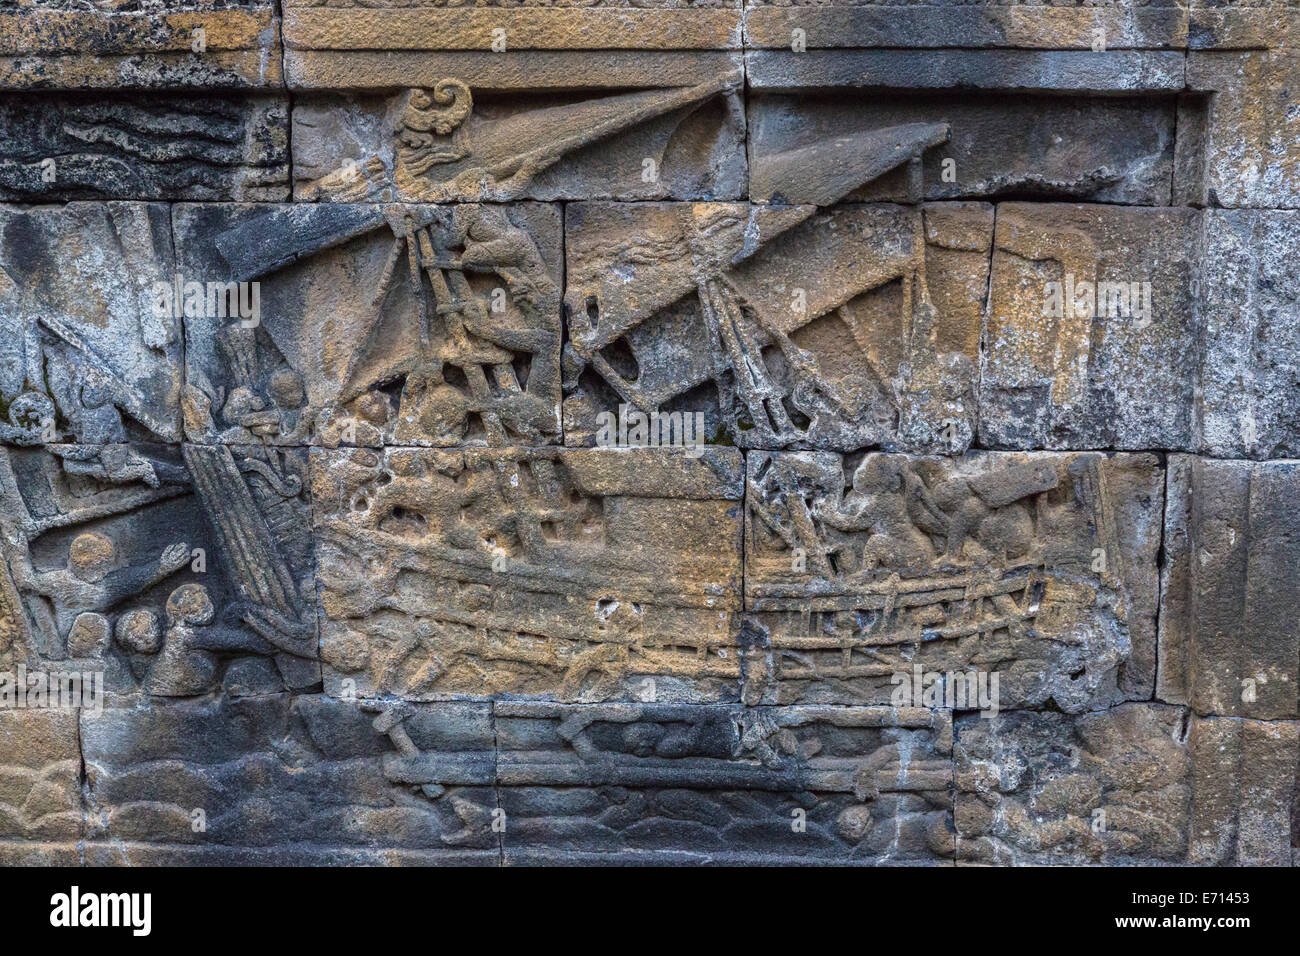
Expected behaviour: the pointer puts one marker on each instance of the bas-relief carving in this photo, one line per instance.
(1040, 567)
(442, 144)
(173, 587)
(723, 783)
(568, 575)
(787, 327)
(425, 601)
(433, 325)
(85, 360)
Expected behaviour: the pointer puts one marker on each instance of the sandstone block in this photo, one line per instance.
(195, 44)
(57, 148)
(775, 326)
(1249, 132)
(500, 28)
(193, 559)
(1228, 639)
(1250, 376)
(1249, 825)
(1025, 71)
(989, 23)
(722, 784)
(430, 325)
(462, 137)
(1091, 339)
(288, 780)
(40, 789)
(86, 356)
(576, 575)
(1034, 573)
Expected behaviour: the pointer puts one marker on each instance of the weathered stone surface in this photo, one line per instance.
(524, 71)
(501, 28)
(782, 327)
(159, 147)
(1024, 71)
(600, 432)
(40, 781)
(724, 784)
(218, 780)
(1228, 638)
(983, 23)
(1250, 376)
(356, 340)
(1236, 824)
(596, 574)
(209, 44)
(170, 572)
(1113, 787)
(85, 356)
(1091, 339)
(1141, 783)
(454, 141)
(1039, 569)
(1253, 24)
(1118, 150)
(1249, 139)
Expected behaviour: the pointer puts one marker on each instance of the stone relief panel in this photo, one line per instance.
(40, 783)
(1119, 149)
(435, 325)
(787, 326)
(85, 357)
(672, 783)
(673, 432)
(156, 570)
(284, 780)
(449, 143)
(573, 575)
(61, 147)
(1040, 568)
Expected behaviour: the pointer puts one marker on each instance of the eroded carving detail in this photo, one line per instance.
(571, 575)
(443, 148)
(1023, 564)
(451, 336)
(131, 579)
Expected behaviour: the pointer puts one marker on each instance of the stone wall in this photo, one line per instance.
(679, 431)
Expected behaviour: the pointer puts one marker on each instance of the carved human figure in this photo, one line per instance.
(431, 408)
(443, 498)
(289, 396)
(981, 517)
(183, 668)
(89, 636)
(90, 405)
(137, 632)
(493, 244)
(877, 504)
(93, 580)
